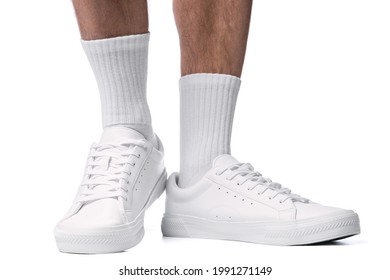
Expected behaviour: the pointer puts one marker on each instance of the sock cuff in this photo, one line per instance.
(120, 68)
(209, 82)
(121, 43)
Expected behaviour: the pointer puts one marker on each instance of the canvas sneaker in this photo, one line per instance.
(124, 175)
(234, 202)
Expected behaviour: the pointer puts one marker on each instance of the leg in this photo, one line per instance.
(125, 171)
(107, 19)
(115, 39)
(213, 36)
(217, 196)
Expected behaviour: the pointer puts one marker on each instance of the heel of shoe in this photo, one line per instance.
(158, 189)
(173, 227)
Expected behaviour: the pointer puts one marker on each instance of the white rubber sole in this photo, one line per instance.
(108, 240)
(271, 233)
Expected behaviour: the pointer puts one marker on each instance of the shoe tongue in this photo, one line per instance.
(118, 134)
(224, 160)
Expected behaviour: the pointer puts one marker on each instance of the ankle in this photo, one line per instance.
(145, 129)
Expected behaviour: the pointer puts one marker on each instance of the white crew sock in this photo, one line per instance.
(120, 68)
(207, 103)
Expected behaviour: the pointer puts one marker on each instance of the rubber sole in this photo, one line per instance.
(109, 240)
(270, 233)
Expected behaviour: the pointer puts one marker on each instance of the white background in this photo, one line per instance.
(313, 113)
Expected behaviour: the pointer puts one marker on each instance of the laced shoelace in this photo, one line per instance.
(262, 184)
(107, 170)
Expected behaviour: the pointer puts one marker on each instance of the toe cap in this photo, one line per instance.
(98, 214)
(314, 210)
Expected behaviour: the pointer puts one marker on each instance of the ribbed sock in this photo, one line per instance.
(207, 103)
(120, 68)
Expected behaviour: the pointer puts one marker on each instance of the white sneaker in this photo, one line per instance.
(233, 202)
(123, 176)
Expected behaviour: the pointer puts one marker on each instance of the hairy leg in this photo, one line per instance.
(100, 19)
(213, 35)
(115, 38)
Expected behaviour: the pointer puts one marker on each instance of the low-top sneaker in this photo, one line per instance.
(234, 202)
(124, 175)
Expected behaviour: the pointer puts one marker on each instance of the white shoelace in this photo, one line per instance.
(108, 170)
(262, 184)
